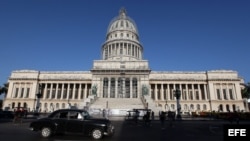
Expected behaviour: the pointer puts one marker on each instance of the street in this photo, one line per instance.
(195, 130)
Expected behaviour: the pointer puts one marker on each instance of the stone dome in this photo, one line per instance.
(122, 22)
(122, 40)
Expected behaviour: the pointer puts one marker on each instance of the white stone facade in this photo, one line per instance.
(123, 80)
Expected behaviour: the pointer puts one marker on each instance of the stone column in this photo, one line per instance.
(116, 87)
(85, 91)
(62, 91)
(131, 87)
(155, 92)
(109, 87)
(181, 97)
(51, 89)
(45, 91)
(68, 91)
(162, 95)
(192, 91)
(168, 92)
(56, 90)
(80, 91)
(199, 91)
(205, 91)
(74, 91)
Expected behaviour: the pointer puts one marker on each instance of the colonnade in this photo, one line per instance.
(120, 87)
(74, 91)
(122, 48)
(193, 91)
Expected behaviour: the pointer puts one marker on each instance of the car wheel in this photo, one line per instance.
(97, 134)
(46, 132)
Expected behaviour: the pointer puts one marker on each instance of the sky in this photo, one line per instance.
(177, 35)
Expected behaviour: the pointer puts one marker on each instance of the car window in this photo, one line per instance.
(63, 114)
(85, 115)
(73, 115)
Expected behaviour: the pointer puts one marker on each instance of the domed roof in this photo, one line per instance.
(122, 22)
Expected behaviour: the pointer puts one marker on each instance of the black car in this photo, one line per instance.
(73, 121)
(7, 114)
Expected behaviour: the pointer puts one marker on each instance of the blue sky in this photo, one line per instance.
(177, 35)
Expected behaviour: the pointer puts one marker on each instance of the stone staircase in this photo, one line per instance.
(87, 102)
(117, 103)
(151, 104)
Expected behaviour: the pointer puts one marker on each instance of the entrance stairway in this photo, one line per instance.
(117, 103)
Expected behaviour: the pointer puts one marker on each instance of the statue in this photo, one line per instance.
(94, 89)
(144, 90)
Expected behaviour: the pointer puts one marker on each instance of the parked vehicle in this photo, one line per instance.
(73, 121)
(6, 114)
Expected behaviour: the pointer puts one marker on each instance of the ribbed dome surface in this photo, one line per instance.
(122, 40)
(122, 22)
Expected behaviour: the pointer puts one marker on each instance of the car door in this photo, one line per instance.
(60, 119)
(75, 123)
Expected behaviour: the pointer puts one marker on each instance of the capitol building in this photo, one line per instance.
(122, 80)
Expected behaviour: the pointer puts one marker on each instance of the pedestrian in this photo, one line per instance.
(137, 113)
(17, 116)
(162, 119)
(104, 113)
(171, 117)
(146, 119)
(152, 115)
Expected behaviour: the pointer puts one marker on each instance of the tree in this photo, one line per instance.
(4, 89)
(245, 93)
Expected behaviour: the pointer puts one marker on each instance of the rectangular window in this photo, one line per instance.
(191, 95)
(225, 93)
(59, 93)
(184, 96)
(22, 92)
(16, 93)
(48, 93)
(76, 93)
(218, 94)
(53, 93)
(27, 93)
(197, 95)
(231, 94)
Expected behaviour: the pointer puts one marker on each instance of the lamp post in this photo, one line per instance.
(38, 96)
(177, 93)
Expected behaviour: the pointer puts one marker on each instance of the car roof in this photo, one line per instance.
(78, 110)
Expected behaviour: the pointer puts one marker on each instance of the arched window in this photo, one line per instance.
(234, 107)
(185, 107)
(45, 107)
(204, 107)
(228, 108)
(172, 107)
(220, 108)
(198, 107)
(25, 105)
(57, 106)
(63, 105)
(13, 105)
(191, 107)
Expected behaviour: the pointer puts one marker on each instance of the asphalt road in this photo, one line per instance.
(192, 130)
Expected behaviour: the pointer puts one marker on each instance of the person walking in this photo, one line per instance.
(18, 116)
(146, 119)
(137, 114)
(162, 119)
(152, 115)
(171, 117)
